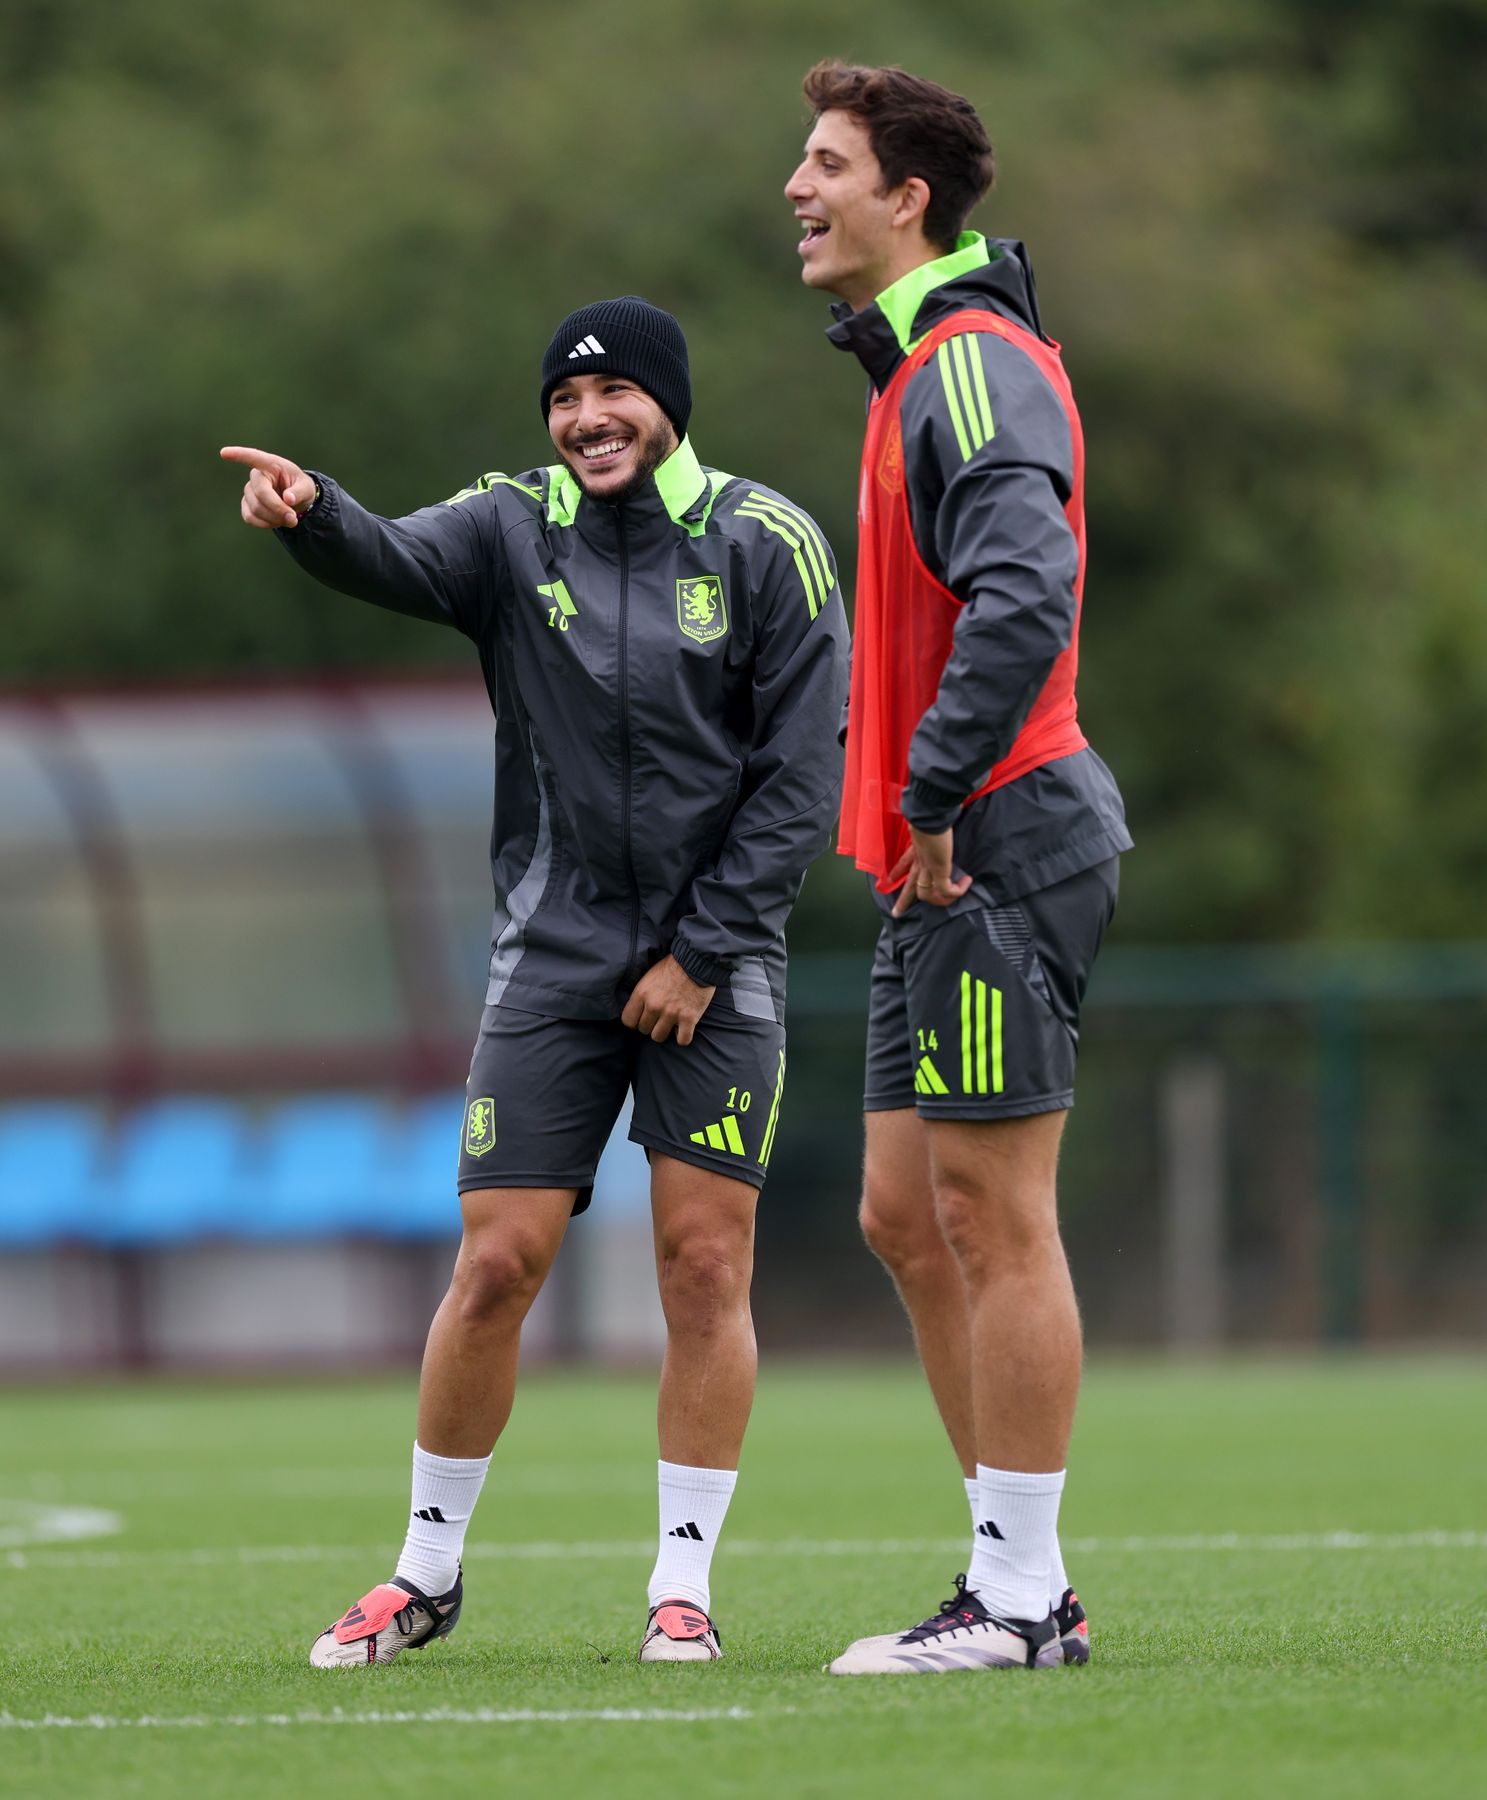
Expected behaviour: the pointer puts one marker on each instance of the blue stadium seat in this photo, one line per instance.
(418, 1198)
(324, 1167)
(622, 1182)
(182, 1173)
(49, 1157)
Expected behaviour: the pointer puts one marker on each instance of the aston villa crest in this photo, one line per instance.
(700, 608)
(480, 1127)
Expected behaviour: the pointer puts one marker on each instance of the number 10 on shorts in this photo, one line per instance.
(973, 1035)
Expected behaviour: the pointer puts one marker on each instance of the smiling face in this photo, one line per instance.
(611, 433)
(858, 237)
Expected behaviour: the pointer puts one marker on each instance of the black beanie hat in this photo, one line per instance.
(627, 337)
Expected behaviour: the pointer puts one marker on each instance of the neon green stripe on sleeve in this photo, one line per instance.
(807, 579)
(814, 549)
(963, 377)
(978, 381)
(942, 356)
(815, 544)
(486, 483)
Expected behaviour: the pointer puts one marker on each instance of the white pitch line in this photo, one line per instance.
(435, 1715)
(39, 1522)
(554, 1551)
(155, 1485)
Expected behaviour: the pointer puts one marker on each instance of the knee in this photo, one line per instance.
(703, 1279)
(496, 1278)
(988, 1236)
(907, 1241)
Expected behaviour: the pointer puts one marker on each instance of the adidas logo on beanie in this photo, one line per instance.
(628, 337)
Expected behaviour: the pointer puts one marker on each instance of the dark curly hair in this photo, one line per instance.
(918, 128)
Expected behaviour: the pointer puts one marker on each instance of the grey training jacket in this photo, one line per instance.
(987, 514)
(667, 675)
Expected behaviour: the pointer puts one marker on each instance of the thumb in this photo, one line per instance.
(300, 491)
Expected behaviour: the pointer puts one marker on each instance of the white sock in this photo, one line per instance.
(445, 1489)
(1058, 1577)
(694, 1503)
(1013, 1547)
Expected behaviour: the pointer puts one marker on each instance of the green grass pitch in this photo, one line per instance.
(1242, 1646)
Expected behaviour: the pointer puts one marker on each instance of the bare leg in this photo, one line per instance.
(994, 1188)
(902, 1230)
(469, 1363)
(704, 1230)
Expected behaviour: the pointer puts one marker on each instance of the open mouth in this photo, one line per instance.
(812, 231)
(605, 454)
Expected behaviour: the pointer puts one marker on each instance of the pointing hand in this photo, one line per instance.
(278, 490)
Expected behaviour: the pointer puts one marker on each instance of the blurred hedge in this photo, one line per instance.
(345, 232)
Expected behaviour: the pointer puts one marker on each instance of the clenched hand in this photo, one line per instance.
(665, 999)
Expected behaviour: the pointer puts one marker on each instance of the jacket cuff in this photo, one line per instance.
(931, 808)
(321, 510)
(707, 971)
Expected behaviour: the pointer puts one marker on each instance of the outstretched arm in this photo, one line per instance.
(432, 564)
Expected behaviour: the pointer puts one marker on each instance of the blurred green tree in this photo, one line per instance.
(1261, 233)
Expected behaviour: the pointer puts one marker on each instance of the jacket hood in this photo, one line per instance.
(993, 273)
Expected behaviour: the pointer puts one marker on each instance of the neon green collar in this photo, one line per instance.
(679, 482)
(900, 303)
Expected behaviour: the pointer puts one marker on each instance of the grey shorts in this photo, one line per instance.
(974, 1008)
(544, 1094)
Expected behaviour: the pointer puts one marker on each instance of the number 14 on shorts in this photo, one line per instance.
(980, 1043)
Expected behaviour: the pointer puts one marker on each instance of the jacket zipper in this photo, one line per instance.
(625, 746)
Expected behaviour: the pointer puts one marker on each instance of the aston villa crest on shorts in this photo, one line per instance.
(700, 609)
(480, 1127)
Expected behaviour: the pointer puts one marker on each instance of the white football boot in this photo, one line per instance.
(676, 1631)
(961, 1635)
(1068, 1616)
(384, 1623)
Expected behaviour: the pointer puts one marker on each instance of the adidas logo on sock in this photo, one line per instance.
(431, 1515)
(689, 1530)
(987, 1528)
(590, 346)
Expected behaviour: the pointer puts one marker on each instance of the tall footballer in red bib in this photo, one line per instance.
(989, 829)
